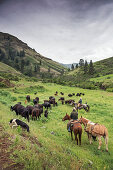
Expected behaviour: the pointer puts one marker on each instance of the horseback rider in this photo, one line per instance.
(74, 116)
(80, 102)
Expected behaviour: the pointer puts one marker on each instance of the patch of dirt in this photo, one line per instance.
(6, 82)
(6, 163)
(33, 139)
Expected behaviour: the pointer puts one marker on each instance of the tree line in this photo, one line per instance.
(88, 68)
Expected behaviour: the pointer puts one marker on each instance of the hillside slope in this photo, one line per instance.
(100, 78)
(20, 56)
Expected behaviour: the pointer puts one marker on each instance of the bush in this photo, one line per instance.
(2, 84)
(109, 89)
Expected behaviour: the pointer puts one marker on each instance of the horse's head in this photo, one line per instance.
(66, 117)
(83, 120)
(11, 108)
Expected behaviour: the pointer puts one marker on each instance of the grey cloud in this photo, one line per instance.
(62, 30)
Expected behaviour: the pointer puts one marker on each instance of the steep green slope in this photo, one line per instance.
(20, 56)
(4, 68)
(49, 145)
(100, 78)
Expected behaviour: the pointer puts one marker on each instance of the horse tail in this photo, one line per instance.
(80, 134)
(88, 108)
(106, 138)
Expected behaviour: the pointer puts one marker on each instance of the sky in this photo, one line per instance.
(63, 30)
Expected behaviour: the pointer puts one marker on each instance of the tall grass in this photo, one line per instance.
(55, 149)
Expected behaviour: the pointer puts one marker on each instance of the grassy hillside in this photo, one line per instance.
(20, 56)
(4, 68)
(90, 80)
(49, 145)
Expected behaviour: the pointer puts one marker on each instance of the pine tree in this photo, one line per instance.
(81, 62)
(22, 65)
(40, 62)
(35, 69)
(85, 67)
(91, 68)
(72, 67)
(22, 53)
(48, 69)
(76, 65)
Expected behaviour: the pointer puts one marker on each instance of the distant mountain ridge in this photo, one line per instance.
(69, 65)
(20, 56)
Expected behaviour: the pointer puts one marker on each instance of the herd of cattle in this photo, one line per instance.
(37, 109)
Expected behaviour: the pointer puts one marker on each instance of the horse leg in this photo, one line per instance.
(100, 142)
(76, 138)
(71, 134)
(106, 142)
(90, 138)
(80, 138)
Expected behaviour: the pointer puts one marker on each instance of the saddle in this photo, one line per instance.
(95, 129)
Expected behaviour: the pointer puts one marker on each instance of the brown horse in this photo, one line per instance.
(76, 127)
(95, 130)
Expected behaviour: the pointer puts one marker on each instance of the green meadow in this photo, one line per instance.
(49, 145)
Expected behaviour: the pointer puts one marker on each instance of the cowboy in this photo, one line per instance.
(80, 102)
(74, 116)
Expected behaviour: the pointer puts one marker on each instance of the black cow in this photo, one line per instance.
(70, 95)
(28, 98)
(36, 100)
(30, 108)
(51, 97)
(46, 113)
(21, 110)
(47, 105)
(61, 99)
(78, 94)
(61, 93)
(36, 113)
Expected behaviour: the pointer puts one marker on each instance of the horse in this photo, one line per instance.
(95, 130)
(86, 107)
(76, 127)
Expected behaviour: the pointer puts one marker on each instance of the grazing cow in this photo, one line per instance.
(77, 94)
(17, 122)
(46, 101)
(51, 97)
(52, 101)
(46, 113)
(15, 108)
(61, 99)
(28, 98)
(40, 107)
(36, 113)
(70, 95)
(36, 100)
(73, 94)
(21, 110)
(30, 108)
(47, 105)
(69, 101)
(56, 94)
(61, 93)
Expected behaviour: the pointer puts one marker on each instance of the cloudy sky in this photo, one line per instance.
(63, 30)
